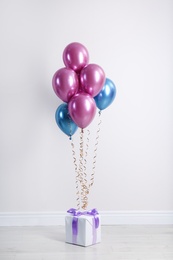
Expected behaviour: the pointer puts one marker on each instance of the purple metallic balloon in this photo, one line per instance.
(92, 79)
(82, 109)
(65, 83)
(75, 56)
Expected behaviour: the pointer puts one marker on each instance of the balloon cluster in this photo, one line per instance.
(82, 87)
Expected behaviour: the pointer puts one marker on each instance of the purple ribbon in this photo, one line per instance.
(75, 213)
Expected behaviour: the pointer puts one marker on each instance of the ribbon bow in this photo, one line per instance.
(92, 212)
(75, 212)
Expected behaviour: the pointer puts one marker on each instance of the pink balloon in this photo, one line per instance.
(82, 109)
(65, 83)
(75, 56)
(92, 79)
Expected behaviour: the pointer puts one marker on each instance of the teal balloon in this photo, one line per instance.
(64, 121)
(106, 96)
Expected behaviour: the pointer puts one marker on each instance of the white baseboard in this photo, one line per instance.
(107, 217)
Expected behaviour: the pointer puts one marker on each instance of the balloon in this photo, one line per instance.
(82, 109)
(64, 120)
(65, 83)
(106, 95)
(92, 79)
(75, 56)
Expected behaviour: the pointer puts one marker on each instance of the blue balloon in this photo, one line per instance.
(106, 96)
(64, 121)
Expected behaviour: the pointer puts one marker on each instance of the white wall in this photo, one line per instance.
(132, 41)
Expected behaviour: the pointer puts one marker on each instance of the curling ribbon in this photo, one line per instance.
(75, 213)
(82, 174)
(82, 185)
(95, 152)
(77, 176)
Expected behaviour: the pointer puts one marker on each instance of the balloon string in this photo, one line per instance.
(95, 151)
(82, 187)
(85, 190)
(77, 175)
(83, 180)
(81, 156)
(85, 155)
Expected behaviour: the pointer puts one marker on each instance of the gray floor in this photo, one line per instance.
(118, 242)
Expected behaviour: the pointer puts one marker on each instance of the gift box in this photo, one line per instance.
(83, 228)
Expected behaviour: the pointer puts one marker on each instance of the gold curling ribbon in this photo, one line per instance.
(83, 180)
(85, 190)
(95, 151)
(85, 157)
(77, 175)
(82, 187)
(75, 166)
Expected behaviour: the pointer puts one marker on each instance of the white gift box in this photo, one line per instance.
(83, 228)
